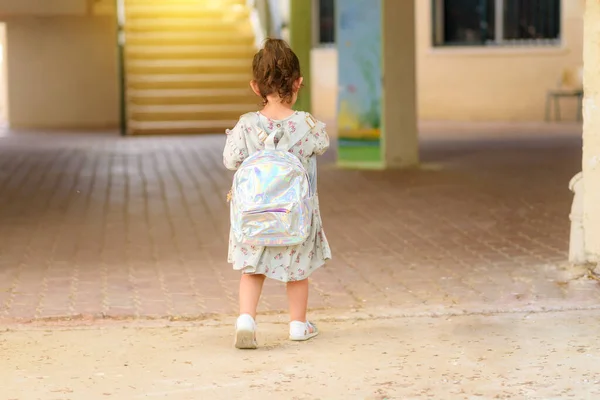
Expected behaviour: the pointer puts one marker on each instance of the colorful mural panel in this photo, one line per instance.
(360, 83)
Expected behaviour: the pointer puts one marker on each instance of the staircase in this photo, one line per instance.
(187, 65)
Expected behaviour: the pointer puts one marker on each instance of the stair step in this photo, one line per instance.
(182, 84)
(192, 78)
(248, 101)
(186, 10)
(198, 3)
(193, 96)
(187, 52)
(187, 112)
(229, 25)
(189, 81)
(188, 63)
(180, 127)
(189, 66)
(195, 49)
(165, 38)
(188, 108)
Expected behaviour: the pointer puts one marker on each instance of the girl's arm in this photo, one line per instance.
(236, 150)
(321, 139)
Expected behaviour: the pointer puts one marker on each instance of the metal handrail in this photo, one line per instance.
(275, 22)
(269, 17)
(121, 16)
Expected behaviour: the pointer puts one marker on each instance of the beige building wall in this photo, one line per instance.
(591, 132)
(62, 72)
(61, 64)
(3, 77)
(473, 84)
(324, 84)
(44, 7)
(486, 84)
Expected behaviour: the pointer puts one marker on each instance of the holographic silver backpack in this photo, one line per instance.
(272, 197)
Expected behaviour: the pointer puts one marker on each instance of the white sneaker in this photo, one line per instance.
(245, 332)
(300, 331)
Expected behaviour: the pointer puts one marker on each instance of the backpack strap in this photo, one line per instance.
(302, 129)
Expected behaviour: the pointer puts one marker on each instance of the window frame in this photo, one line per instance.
(437, 31)
(316, 26)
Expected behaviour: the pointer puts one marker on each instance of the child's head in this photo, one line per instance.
(276, 73)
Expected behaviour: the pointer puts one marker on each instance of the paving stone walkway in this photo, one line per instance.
(94, 225)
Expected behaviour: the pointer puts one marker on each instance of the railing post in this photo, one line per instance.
(122, 71)
(499, 21)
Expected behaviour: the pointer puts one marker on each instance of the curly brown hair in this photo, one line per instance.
(276, 69)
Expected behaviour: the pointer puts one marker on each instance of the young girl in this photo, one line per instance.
(277, 80)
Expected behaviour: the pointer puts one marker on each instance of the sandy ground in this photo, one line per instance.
(554, 355)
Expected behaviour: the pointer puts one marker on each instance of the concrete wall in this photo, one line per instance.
(324, 73)
(591, 132)
(62, 71)
(3, 76)
(43, 7)
(480, 84)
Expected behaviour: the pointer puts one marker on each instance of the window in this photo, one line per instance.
(496, 22)
(325, 22)
(531, 20)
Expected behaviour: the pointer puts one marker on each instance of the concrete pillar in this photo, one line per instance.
(400, 136)
(377, 105)
(301, 43)
(591, 130)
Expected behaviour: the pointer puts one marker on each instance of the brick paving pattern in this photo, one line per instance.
(99, 226)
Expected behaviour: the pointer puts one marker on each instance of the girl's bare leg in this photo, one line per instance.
(298, 299)
(250, 290)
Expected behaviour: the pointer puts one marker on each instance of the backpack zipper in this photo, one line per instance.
(271, 210)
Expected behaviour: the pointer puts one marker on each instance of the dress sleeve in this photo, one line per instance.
(321, 139)
(236, 149)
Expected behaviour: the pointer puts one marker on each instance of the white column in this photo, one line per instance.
(591, 130)
(400, 135)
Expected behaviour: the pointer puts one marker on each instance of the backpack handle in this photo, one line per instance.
(284, 141)
(287, 140)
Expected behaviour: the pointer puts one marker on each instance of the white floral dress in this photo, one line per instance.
(284, 264)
